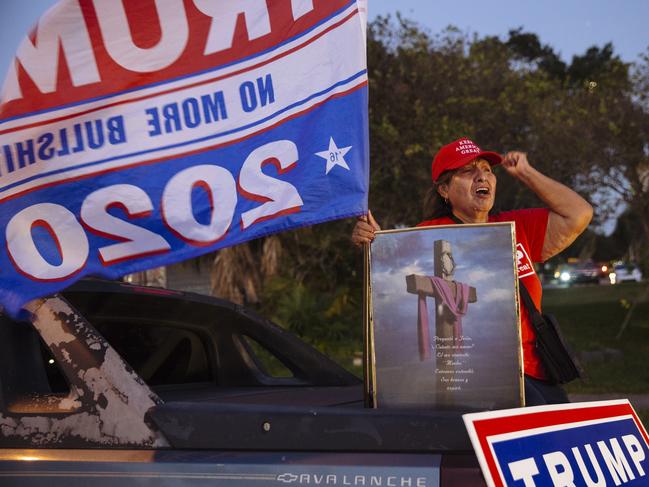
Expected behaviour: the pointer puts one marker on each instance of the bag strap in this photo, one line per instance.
(536, 318)
(526, 298)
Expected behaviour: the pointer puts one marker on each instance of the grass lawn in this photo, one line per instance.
(590, 317)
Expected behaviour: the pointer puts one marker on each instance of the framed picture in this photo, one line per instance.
(443, 318)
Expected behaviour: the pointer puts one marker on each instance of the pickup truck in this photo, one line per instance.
(112, 384)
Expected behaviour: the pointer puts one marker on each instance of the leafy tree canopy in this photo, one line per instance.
(585, 123)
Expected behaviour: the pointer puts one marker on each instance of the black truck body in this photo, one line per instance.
(112, 384)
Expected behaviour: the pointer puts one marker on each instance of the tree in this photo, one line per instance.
(583, 123)
(238, 272)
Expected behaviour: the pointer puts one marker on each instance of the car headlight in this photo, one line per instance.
(565, 276)
(612, 277)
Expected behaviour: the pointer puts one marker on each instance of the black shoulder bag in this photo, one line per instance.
(560, 363)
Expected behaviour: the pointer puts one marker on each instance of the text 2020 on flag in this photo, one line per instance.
(136, 134)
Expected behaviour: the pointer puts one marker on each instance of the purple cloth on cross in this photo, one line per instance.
(457, 305)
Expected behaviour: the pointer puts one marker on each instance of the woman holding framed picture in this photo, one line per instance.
(464, 190)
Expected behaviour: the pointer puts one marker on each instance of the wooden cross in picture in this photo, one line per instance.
(451, 300)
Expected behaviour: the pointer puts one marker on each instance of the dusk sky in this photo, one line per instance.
(569, 26)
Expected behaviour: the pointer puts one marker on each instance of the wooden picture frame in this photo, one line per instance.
(442, 319)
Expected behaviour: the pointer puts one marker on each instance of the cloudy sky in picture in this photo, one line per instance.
(483, 258)
(568, 26)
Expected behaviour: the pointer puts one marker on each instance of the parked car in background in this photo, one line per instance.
(625, 272)
(587, 272)
(114, 384)
(605, 268)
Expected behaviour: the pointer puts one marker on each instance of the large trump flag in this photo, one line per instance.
(137, 133)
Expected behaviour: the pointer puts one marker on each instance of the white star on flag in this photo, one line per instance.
(335, 156)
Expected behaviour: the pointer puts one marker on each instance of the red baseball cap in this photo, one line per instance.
(460, 153)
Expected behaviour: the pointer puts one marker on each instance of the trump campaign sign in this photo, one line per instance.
(593, 444)
(137, 133)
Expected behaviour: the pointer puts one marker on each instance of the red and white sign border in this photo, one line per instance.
(489, 427)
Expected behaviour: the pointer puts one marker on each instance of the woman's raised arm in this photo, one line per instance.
(570, 214)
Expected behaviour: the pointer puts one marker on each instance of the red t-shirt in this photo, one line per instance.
(530, 225)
